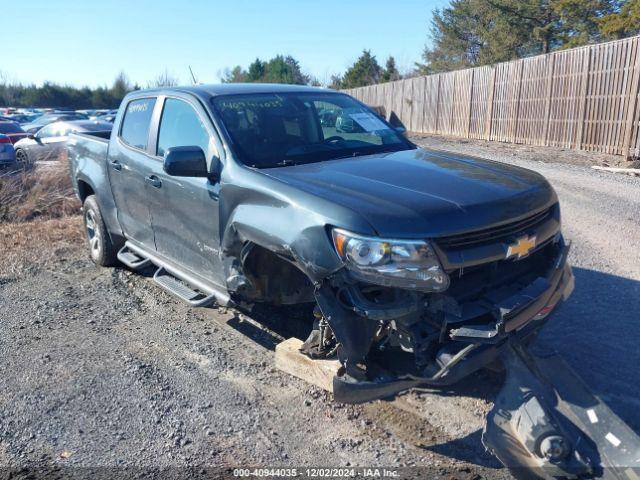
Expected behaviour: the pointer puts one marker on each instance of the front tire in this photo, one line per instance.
(22, 159)
(101, 249)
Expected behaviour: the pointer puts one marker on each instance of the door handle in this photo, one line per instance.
(116, 165)
(153, 181)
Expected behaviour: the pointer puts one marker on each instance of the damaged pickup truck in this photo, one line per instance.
(424, 266)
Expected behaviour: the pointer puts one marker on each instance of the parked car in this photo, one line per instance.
(7, 153)
(108, 117)
(23, 118)
(424, 266)
(50, 141)
(48, 118)
(13, 131)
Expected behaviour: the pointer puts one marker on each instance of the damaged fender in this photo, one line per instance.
(545, 423)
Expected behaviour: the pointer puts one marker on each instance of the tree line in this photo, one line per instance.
(467, 33)
(471, 33)
(52, 95)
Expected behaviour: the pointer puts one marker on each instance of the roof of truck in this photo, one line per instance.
(237, 88)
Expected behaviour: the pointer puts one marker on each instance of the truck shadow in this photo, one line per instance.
(597, 331)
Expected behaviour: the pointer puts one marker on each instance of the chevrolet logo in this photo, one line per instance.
(522, 247)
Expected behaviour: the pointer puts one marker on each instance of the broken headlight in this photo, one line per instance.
(410, 264)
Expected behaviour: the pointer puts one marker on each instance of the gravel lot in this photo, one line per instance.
(103, 369)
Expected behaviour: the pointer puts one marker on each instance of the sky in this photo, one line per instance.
(89, 42)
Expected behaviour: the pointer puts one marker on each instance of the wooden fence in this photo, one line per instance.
(585, 98)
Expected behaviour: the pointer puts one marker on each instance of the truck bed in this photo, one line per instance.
(98, 136)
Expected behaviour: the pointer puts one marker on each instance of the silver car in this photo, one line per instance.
(50, 141)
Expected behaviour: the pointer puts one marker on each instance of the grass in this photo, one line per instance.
(39, 218)
(42, 193)
(39, 243)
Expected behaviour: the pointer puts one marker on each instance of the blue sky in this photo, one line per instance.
(89, 42)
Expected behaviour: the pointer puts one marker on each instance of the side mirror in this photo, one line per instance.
(185, 162)
(31, 136)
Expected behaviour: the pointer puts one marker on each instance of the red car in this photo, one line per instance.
(13, 131)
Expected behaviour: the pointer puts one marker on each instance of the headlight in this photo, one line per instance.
(392, 263)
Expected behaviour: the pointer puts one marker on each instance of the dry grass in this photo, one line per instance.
(39, 243)
(44, 193)
(39, 221)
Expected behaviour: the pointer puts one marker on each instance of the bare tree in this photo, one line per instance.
(164, 79)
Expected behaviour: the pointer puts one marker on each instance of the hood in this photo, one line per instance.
(423, 193)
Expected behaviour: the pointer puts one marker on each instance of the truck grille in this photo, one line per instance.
(471, 282)
(494, 234)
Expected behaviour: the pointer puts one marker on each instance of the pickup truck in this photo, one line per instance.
(424, 266)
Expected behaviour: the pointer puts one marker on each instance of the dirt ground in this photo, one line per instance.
(103, 372)
(103, 369)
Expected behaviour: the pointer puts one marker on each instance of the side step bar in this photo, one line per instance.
(179, 288)
(183, 285)
(132, 260)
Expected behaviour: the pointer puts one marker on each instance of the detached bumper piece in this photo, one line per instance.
(547, 424)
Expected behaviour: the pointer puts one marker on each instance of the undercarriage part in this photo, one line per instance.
(321, 342)
(354, 334)
(547, 424)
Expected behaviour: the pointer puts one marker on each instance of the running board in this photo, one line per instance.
(132, 260)
(181, 289)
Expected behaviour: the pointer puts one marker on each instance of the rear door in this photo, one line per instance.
(130, 169)
(184, 210)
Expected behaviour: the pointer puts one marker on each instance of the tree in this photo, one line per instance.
(365, 71)
(622, 23)
(121, 86)
(236, 75)
(279, 69)
(390, 72)
(479, 32)
(256, 71)
(164, 79)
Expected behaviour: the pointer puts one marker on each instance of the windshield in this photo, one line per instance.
(279, 129)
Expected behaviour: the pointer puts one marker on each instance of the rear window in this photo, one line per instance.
(135, 126)
(10, 127)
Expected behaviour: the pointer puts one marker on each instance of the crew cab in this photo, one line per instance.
(424, 266)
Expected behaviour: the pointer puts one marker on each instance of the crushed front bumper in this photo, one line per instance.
(517, 317)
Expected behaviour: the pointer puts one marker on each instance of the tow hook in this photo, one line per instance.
(547, 424)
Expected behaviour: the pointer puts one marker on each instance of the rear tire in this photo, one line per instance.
(101, 249)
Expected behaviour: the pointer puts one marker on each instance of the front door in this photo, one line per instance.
(184, 211)
(129, 166)
(49, 143)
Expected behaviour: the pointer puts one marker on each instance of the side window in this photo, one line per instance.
(135, 126)
(46, 132)
(181, 126)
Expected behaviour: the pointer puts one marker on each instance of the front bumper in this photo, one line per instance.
(518, 318)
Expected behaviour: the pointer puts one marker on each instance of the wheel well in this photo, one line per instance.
(275, 279)
(84, 190)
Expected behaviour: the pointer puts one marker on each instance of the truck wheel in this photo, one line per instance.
(101, 249)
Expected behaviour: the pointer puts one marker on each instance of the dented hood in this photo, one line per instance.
(421, 193)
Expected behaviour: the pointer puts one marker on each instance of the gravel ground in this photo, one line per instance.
(102, 369)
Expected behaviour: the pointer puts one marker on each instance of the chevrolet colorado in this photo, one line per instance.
(424, 266)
